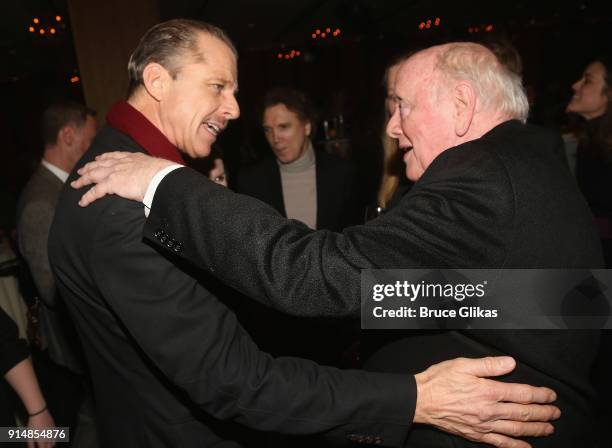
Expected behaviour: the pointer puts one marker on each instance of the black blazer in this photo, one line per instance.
(336, 200)
(502, 201)
(167, 357)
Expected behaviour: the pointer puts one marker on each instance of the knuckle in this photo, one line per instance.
(525, 414)
(484, 414)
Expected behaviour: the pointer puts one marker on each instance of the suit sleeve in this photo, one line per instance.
(283, 264)
(199, 345)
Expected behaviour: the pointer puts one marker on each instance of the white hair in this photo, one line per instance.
(497, 87)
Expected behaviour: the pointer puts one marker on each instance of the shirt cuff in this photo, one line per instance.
(152, 188)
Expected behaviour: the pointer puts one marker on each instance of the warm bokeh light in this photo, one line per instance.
(314, 36)
(328, 30)
(58, 18)
(437, 21)
(75, 79)
(52, 30)
(489, 28)
(41, 31)
(318, 31)
(35, 20)
(31, 29)
(323, 35)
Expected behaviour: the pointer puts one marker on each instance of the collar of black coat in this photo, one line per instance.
(127, 120)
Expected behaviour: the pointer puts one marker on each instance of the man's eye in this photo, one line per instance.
(218, 87)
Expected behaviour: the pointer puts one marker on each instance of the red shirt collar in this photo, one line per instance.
(127, 120)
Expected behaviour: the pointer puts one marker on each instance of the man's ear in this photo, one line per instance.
(66, 134)
(155, 79)
(308, 128)
(464, 99)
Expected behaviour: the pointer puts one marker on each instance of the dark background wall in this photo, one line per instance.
(85, 59)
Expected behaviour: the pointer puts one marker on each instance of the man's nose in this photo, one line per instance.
(394, 129)
(273, 136)
(231, 109)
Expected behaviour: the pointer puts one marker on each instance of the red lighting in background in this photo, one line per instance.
(75, 79)
(47, 26)
(327, 32)
(429, 23)
(289, 55)
(486, 28)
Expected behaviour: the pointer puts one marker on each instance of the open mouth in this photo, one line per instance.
(213, 128)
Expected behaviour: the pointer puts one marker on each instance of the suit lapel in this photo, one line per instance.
(274, 188)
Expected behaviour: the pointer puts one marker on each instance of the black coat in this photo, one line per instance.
(167, 357)
(502, 201)
(337, 206)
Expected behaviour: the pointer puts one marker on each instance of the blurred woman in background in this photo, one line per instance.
(591, 100)
(394, 183)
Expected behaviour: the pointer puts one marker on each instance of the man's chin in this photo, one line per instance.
(413, 174)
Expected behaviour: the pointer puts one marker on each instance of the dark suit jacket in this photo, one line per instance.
(502, 201)
(321, 340)
(336, 202)
(164, 351)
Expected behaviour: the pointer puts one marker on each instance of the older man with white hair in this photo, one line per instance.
(489, 193)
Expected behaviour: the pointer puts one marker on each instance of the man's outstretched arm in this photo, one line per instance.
(452, 395)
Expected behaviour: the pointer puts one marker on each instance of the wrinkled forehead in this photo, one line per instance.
(415, 73)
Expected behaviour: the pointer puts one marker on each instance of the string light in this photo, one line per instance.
(289, 55)
(327, 32)
(476, 29)
(429, 23)
(47, 26)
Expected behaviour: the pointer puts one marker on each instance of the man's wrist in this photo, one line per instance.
(152, 187)
(420, 415)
